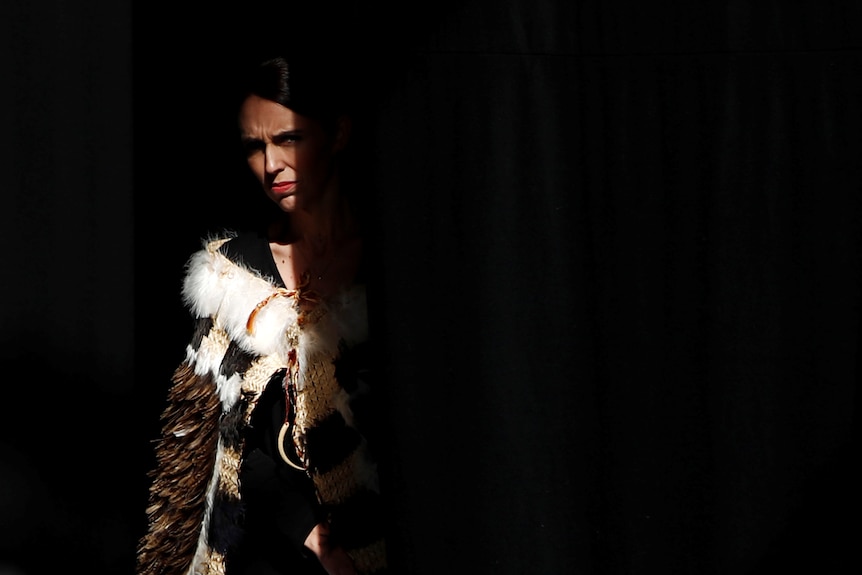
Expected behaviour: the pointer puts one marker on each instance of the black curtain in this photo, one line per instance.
(621, 259)
(69, 413)
(618, 272)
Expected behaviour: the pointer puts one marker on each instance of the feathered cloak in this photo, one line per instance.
(249, 331)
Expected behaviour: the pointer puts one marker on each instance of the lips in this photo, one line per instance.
(283, 187)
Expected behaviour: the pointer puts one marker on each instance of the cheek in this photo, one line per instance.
(312, 163)
(255, 164)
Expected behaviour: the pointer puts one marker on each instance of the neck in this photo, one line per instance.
(319, 229)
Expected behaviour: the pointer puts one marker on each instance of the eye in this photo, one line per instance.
(251, 147)
(287, 138)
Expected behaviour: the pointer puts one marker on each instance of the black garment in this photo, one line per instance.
(251, 249)
(280, 503)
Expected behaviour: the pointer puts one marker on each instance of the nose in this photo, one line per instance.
(275, 159)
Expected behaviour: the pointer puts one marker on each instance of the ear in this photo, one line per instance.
(343, 127)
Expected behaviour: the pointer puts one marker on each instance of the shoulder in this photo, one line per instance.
(216, 285)
(243, 247)
(248, 249)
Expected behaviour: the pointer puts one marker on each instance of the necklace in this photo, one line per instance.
(322, 273)
(318, 272)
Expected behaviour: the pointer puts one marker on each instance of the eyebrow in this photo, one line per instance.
(286, 133)
(277, 136)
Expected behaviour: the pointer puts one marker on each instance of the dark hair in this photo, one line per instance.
(313, 87)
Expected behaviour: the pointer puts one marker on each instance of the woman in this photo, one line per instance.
(262, 467)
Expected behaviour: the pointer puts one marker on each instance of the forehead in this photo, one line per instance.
(259, 116)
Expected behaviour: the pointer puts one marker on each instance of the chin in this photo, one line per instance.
(288, 204)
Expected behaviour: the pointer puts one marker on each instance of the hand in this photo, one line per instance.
(335, 560)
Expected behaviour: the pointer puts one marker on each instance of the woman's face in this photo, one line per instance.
(290, 154)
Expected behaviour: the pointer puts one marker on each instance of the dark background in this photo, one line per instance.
(619, 271)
